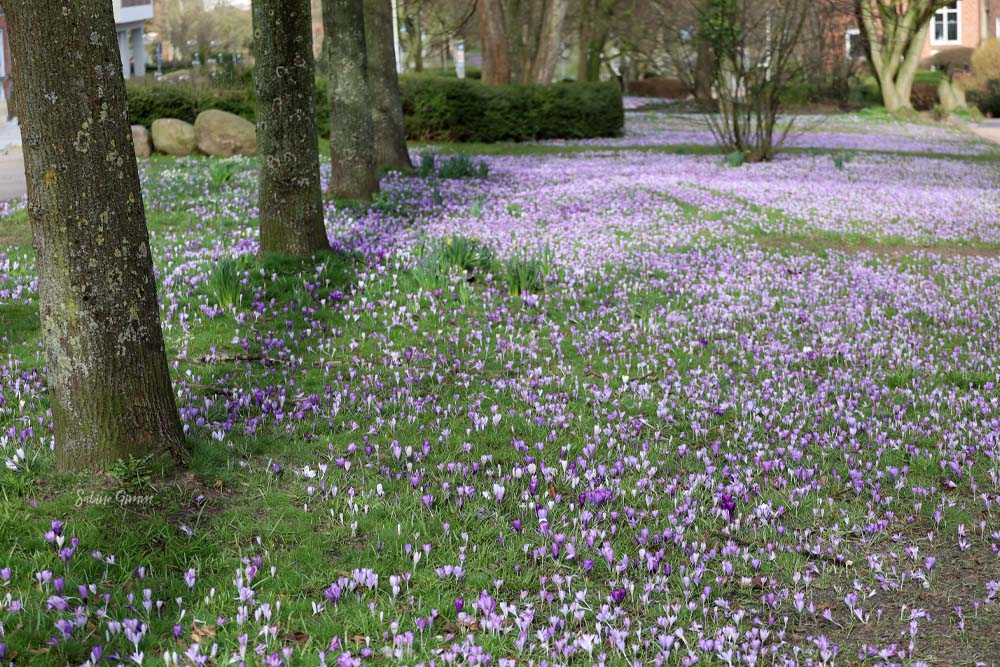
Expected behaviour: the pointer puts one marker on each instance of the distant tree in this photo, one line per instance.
(189, 27)
(704, 65)
(751, 46)
(594, 25)
(185, 25)
(495, 46)
(108, 382)
(352, 134)
(537, 39)
(413, 32)
(383, 82)
(233, 26)
(291, 201)
(893, 33)
(429, 26)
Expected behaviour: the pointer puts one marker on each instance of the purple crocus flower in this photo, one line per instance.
(728, 504)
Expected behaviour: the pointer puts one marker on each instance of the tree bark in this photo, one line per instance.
(383, 81)
(291, 201)
(595, 54)
(704, 68)
(352, 135)
(894, 33)
(108, 382)
(592, 37)
(493, 37)
(548, 43)
(416, 40)
(703, 73)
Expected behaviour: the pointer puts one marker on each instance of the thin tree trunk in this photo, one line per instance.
(352, 136)
(493, 37)
(291, 201)
(416, 41)
(595, 54)
(585, 32)
(383, 81)
(108, 382)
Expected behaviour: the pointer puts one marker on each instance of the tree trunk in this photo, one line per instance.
(548, 43)
(704, 67)
(703, 73)
(416, 41)
(893, 43)
(108, 382)
(493, 37)
(593, 36)
(909, 66)
(383, 81)
(595, 54)
(517, 26)
(584, 35)
(291, 201)
(352, 136)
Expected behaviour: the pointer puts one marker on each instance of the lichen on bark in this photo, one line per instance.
(107, 376)
(291, 202)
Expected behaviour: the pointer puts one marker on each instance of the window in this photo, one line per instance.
(855, 46)
(946, 27)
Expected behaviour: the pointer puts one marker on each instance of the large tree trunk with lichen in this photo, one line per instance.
(107, 376)
(493, 37)
(383, 82)
(291, 201)
(352, 135)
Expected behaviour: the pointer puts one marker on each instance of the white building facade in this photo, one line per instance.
(130, 20)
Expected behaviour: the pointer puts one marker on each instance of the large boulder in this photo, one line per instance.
(140, 139)
(225, 134)
(174, 137)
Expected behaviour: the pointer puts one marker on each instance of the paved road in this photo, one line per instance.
(11, 159)
(988, 129)
(12, 182)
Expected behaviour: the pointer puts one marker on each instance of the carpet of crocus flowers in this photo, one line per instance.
(750, 417)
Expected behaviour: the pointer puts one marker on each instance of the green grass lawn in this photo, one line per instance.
(385, 413)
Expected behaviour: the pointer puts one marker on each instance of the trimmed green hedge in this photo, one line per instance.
(462, 110)
(436, 108)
